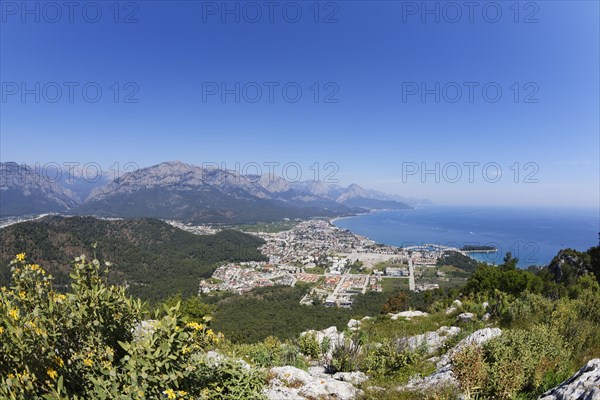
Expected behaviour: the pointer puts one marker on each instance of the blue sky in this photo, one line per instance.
(368, 62)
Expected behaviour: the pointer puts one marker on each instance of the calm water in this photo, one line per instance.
(534, 235)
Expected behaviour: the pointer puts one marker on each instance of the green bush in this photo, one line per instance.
(386, 360)
(522, 360)
(309, 345)
(269, 353)
(470, 370)
(90, 343)
(346, 355)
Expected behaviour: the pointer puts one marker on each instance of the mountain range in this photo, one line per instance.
(175, 190)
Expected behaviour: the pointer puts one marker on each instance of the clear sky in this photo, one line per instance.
(388, 89)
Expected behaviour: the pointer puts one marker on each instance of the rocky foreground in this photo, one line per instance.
(290, 383)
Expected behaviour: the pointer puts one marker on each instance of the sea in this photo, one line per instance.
(532, 234)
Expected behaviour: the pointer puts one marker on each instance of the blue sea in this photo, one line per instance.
(534, 235)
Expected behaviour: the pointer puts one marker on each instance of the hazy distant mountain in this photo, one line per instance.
(187, 192)
(176, 190)
(24, 191)
(82, 182)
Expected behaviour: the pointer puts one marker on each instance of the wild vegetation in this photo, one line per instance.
(90, 342)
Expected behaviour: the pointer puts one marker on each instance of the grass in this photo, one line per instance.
(383, 327)
(394, 284)
(318, 270)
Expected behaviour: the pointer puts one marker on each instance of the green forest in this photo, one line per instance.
(153, 259)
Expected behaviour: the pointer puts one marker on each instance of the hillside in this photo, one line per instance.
(155, 259)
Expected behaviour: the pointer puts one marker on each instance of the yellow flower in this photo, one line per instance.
(59, 298)
(1, 330)
(22, 294)
(35, 267)
(181, 393)
(21, 257)
(52, 373)
(170, 394)
(194, 325)
(14, 313)
(59, 361)
(88, 362)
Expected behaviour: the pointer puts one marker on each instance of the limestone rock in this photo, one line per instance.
(408, 314)
(584, 385)
(444, 376)
(431, 341)
(465, 317)
(477, 338)
(354, 324)
(290, 383)
(355, 377)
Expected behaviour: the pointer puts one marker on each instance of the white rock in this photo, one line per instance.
(477, 338)
(441, 377)
(355, 378)
(444, 375)
(408, 314)
(457, 303)
(584, 385)
(465, 317)
(318, 372)
(295, 384)
(485, 305)
(450, 310)
(354, 324)
(431, 341)
(335, 338)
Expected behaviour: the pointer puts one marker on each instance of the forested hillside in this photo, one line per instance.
(153, 258)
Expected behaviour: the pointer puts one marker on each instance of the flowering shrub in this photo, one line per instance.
(91, 343)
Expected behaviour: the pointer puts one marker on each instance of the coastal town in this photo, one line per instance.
(337, 263)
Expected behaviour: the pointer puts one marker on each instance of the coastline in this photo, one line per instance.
(547, 230)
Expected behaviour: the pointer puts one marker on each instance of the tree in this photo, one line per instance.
(510, 262)
(395, 303)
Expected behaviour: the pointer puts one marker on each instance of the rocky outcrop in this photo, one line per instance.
(584, 385)
(466, 317)
(354, 325)
(290, 383)
(430, 341)
(408, 314)
(330, 333)
(334, 337)
(444, 376)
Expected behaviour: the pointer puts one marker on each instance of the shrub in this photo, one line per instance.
(309, 345)
(470, 369)
(345, 356)
(386, 360)
(269, 353)
(90, 343)
(521, 360)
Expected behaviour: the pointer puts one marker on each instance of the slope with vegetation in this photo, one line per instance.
(153, 258)
(507, 334)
